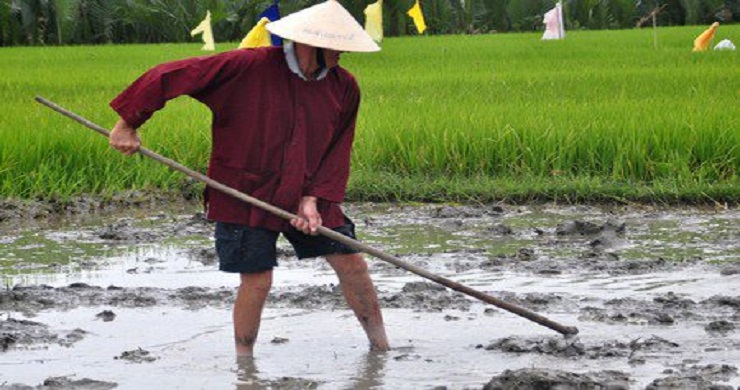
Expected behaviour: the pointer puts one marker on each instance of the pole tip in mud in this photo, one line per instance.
(570, 331)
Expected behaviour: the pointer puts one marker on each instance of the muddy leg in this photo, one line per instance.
(248, 310)
(359, 292)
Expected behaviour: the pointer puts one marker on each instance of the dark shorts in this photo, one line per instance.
(244, 249)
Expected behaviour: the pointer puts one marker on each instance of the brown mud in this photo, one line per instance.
(131, 295)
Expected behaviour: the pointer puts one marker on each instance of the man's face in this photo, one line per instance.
(331, 57)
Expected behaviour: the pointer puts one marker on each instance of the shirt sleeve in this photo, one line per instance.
(330, 180)
(192, 76)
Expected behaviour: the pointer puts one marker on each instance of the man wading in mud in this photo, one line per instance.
(283, 125)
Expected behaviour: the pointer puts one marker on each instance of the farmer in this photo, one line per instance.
(282, 131)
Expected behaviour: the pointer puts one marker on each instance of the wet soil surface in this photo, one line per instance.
(132, 299)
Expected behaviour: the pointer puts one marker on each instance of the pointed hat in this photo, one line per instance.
(327, 25)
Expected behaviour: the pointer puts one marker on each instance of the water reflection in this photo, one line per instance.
(246, 374)
(371, 369)
(370, 373)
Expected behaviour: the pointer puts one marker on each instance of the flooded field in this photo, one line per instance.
(133, 300)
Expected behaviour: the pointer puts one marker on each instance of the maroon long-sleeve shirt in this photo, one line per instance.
(275, 136)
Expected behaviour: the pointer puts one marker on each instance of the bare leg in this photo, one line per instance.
(359, 291)
(248, 310)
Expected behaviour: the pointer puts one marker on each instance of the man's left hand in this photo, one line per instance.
(310, 219)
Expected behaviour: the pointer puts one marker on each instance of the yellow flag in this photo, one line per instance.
(701, 43)
(415, 13)
(258, 36)
(374, 20)
(205, 28)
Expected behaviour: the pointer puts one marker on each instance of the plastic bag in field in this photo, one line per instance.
(725, 44)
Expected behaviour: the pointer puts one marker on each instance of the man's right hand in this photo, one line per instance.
(124, 138)
(309, 218)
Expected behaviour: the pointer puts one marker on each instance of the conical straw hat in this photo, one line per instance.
(327, 25)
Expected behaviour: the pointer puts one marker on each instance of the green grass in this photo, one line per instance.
(599, 116)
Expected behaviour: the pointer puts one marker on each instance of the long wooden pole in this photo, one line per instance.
(532, 316)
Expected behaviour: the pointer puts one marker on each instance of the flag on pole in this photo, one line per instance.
(702, 42)
(725, 44)
(272, 13)
(205, 28)
(418, 16)
(374, 20)
(554, 26)
(258, 36)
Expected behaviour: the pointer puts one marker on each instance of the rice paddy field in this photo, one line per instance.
(599, 116)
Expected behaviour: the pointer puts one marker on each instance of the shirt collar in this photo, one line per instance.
(290, 56)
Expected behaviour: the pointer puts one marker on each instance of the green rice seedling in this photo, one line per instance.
(603, 104)
(601, 115)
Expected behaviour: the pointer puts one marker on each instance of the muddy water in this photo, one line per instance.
(134, 301)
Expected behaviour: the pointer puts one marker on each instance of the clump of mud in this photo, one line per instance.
(720, 327)
(29, 300)
(466, 212)
(64, 383)
(309, 297)
(25, 334)
(585, 228)
(16, 209)
(686, 382)
(423, 296)
(667, 309)
(730, 269)
(159, 227)
(248, 378)
(284, 383)
(539, 301)
(574, 348)
(106, 316)
(137, 356)
(696, 377)
(536, 379)
(547, 346)
(124, 230)
(710, 372)
(636, 351)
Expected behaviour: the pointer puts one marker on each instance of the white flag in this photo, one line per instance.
(725, 44)
(374, 20)
(554, 26)
(205, 28)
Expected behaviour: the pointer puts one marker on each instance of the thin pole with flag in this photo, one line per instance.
(272, 13)
(553, 20)
(561, 19)
(418, 16)
(374, 20)
(204, 28)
